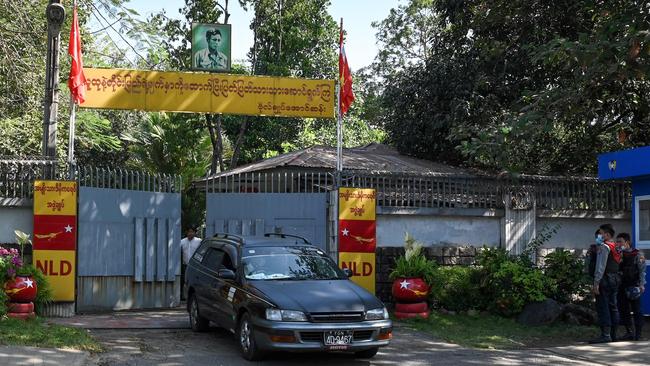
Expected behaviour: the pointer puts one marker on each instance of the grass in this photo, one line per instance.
(38, 333)
(489, 331)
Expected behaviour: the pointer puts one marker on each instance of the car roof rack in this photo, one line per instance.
(237, 238)
(284, 236)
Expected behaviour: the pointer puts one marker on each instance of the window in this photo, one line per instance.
(642, 222)
(213, 258)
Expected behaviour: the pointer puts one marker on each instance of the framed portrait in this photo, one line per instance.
(211, 47)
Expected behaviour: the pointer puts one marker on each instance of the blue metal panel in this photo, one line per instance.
(624, 164)
(150, 250)
(114, 233)
(293, 213)
(139, 250)
(161, 249)
(172, 248)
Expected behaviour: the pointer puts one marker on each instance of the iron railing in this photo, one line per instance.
(17, 177)
(440, 190)
(272, 182)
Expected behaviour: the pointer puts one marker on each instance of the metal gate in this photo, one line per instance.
(128, 251)
(303, 214)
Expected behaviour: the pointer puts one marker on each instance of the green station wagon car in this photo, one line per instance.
(280, 293)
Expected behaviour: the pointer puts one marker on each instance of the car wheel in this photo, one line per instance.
(369, 353)
(246, 338)
(198, 323)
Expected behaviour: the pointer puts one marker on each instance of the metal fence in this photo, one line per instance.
(272, 182)
(17, 177)
(440, 190)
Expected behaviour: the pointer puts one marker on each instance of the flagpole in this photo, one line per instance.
(339, 122)
(71, 131)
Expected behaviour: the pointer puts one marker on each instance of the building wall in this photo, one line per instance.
(578, 233)
(15, 218)
(438, 230)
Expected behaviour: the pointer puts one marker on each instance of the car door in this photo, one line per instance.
(227, 292)
(209, 282)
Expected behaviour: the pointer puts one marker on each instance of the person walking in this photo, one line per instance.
(189, 244)
(604, 268)
(632, 286)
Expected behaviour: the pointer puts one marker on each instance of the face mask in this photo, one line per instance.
(599, 239)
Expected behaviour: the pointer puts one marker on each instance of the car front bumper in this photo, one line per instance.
(309, 336)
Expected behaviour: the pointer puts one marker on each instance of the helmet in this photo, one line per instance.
(633, 293)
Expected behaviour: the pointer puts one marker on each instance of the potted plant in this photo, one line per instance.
(19, 286)
(412, 276)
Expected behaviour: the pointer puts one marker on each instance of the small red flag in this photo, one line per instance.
(345, 77)
(77, 79)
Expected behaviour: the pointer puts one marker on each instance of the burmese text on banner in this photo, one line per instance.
(209, 93)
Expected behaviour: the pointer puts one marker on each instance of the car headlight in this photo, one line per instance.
(285, 315)
(377, 314)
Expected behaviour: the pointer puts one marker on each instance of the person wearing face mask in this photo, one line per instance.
(632, 286)
(603, 264)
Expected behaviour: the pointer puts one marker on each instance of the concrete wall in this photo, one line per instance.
(578, 233)
(475, 227)
(15, 218)
(438, 230)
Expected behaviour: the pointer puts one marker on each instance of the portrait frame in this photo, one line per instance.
(199, 45)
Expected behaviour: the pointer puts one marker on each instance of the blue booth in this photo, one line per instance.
(633, 165)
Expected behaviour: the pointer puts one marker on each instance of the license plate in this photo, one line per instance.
(338, 339)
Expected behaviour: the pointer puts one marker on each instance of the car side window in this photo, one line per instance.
(227, 262)
(213, 259)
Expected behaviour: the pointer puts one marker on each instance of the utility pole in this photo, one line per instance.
(55, 16)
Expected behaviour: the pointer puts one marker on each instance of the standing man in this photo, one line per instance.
(606, 283)
(632, 286)
(189, 244)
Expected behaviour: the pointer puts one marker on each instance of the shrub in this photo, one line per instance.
(413, 263)
(456, 288)
(567, 272)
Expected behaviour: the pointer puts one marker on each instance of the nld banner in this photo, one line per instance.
(55, 235)
(357, 234)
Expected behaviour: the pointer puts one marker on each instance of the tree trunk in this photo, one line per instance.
(240, 140)
(214, 128)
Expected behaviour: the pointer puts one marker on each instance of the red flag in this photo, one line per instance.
(345, 77)
(77, 79)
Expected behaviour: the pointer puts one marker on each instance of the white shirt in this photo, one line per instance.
(188, 247)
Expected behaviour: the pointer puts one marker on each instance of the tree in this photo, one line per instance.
(524, 86)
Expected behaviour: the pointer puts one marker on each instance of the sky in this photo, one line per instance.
(360, 46)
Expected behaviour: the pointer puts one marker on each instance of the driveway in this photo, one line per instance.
(218, 347)
(163, 337)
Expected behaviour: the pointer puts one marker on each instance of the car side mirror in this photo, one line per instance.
(226, 274)
(347, 272)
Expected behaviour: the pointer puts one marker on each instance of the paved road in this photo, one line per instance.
(144, 347)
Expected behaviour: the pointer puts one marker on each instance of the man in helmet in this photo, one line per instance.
(632, 286)
(606, 281)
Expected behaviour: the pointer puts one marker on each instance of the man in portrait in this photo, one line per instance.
(212, 57)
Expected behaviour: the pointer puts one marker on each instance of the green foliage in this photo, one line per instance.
(516, 85)
(513, 286)
(510, 282)
(567, 271)
(456, 288)
(413, 263)
(38, 333)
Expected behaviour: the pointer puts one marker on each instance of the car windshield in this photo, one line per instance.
(289, 263)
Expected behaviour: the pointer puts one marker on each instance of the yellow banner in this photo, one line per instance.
(55, 197)
(362, 266)
(357, 204)
(59, 268)
(209, 93)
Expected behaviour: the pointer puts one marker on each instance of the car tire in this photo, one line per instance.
(369, 353)
(246, 339)
(198, 323)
